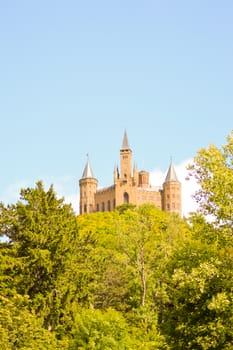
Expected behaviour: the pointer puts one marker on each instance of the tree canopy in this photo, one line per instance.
(134, 278)
(213, 170)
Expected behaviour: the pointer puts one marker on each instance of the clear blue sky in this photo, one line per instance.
(75, 74)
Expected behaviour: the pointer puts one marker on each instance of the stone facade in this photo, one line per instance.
(130, 186)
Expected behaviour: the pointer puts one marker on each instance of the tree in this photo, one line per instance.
(198, 310)
(126, 262)
(109, 330)
(147, 236)
(22, 330)
(41, 230)
(198, 313)
(103, 330)
(213, 170)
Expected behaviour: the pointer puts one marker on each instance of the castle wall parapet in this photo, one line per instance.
(105, 189)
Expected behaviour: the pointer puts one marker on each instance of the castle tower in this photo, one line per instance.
(172, 192)
(125, 160)
(143, 179)
(88, 186)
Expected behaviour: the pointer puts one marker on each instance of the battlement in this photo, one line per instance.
(150, 189)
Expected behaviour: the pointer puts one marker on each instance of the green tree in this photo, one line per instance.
(41, 230)
(125, 258)
(22, 330)
(199, 313)
(102, 263)
(103, 330)
(147, 237)
(109, 330)
(213, 170)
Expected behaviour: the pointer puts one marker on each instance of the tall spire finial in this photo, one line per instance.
(171, 174)
(88, 173)
(125, 143)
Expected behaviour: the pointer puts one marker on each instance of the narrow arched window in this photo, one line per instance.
(109, 206)
(103, 206)
(126, 197)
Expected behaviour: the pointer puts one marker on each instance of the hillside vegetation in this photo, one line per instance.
(134, 278)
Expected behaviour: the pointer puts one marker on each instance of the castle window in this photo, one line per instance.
(168, 206)
(109, 206)
(126, 197)
(168, 196)
(85, 208)
(97, 207)
(114, 203)
(103, 206)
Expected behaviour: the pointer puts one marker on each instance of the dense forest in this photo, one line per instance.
(134, 278)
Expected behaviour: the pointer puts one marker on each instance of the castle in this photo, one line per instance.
(130, 186)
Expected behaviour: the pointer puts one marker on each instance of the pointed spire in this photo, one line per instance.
(118, 173)
(88, 173)
(125, 143)
(171, 174)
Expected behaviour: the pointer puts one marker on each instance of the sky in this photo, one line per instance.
(75, 74)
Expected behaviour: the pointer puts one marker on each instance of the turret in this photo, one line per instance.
(116, 174)
(125, 159)
(88, 186)
(143, 178)
(172, 192)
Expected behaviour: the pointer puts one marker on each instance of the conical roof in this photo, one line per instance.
(171, 174)
(125, 143)
(88, 173)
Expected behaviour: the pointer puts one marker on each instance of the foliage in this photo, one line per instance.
(20, 329)
(135, 278)
(123, 207)
(213, 170)
(100, 330)
(40, 229)
(199, 312)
